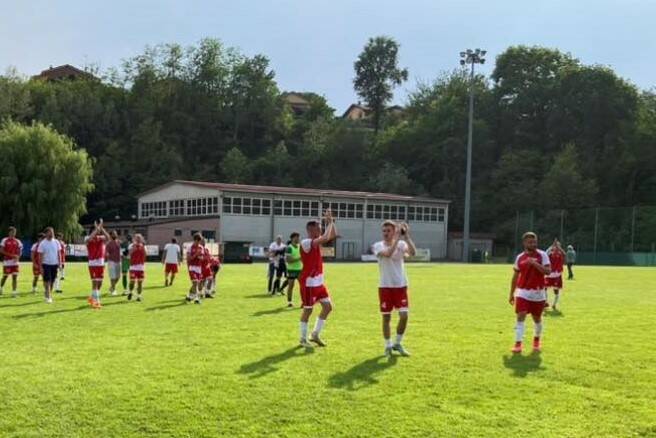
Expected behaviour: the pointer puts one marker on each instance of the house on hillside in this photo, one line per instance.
(357, 111)
(298, 104)
(62, 73)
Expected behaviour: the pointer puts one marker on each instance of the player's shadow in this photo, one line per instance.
(555, 314)
(362, 374)
(269, 364)
(523, 365)
(263, 295)
(167, 305)
(272, 311)
(72, 309)
(27, 303)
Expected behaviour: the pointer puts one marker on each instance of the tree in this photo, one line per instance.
(44, 179)
(563, 186)
(236, 167)
(377, 72)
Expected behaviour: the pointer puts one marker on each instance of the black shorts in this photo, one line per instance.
(293, 275)
(50, 273)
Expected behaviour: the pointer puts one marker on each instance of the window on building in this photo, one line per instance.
(177, 232)
(440, 214)
(209, 234)
(227, 205)
(236, 205)
(266, 207)
(277, 207)
(246, 205)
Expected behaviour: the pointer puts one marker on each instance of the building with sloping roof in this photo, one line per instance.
(238, 214)
(63, 72)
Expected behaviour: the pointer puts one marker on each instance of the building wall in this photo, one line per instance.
(161, 234)
(356, 234)
(178, 191)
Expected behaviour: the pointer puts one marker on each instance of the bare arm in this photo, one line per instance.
(329, 233)
(544, 269)
(513, 286)
(412, 249)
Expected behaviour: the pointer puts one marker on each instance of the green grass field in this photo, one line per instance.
(230, 367)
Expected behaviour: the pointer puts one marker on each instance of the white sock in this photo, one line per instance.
(57, 284)
(388, 343)
(538, 329)
(399, 339)
(304, 330)
(556, 298)
(519, 331)
(318, 326)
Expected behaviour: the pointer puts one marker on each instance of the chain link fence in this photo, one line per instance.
(600, 236)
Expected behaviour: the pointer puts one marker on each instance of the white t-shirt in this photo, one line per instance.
(392, 269)
(49, 251)
(172, 251)
(273, 248)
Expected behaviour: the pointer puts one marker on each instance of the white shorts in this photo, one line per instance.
(114, 270)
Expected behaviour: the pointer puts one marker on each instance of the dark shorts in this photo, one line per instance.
(293, 275)
(50, 273)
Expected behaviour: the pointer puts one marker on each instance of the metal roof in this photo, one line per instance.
(298, 191)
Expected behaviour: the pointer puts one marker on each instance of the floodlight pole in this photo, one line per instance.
(469, 57)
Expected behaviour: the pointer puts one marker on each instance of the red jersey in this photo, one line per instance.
(137, 256)
(96, 250)
(12, 247)
(557, 260)
(195, 255)
(214, 262)
(35, 254)
(530, 284)
(312, 273)
(207, 257)
(62, 252)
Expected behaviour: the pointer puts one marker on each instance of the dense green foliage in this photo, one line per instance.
(229, 367)
(44, 180)
(550, 132)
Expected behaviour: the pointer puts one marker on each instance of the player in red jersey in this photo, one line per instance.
(527, 291)
(11, 249)
(555, 278)
(96, 254)
(215, 267)
(311, 281)
(206, 272)
(36, 263)
(195, 257)
(137, 254)
(62, 265)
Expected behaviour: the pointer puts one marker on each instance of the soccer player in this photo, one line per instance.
(11, 249)
(137, 254)
(125, 263)
(62, 265)
(276, 252)
(294, 265)
(36, 264)
(113, 249)
(393, 286)
(194, 265)
(96, 241)
(571, 260)
(215, 267)
(206, 271)
(555, 277)
(527, 291)
(171, 258)
(49, 250)
(311, 281)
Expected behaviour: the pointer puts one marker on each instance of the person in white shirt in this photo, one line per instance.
(171, 257)
(49, 255)
(393, 286)
(277, 265)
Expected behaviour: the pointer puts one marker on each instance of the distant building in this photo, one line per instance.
(478, 242)
(297, 102)
(63, 72)
(356, 111)
(238, 215)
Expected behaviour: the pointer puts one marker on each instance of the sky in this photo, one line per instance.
(312, 44)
